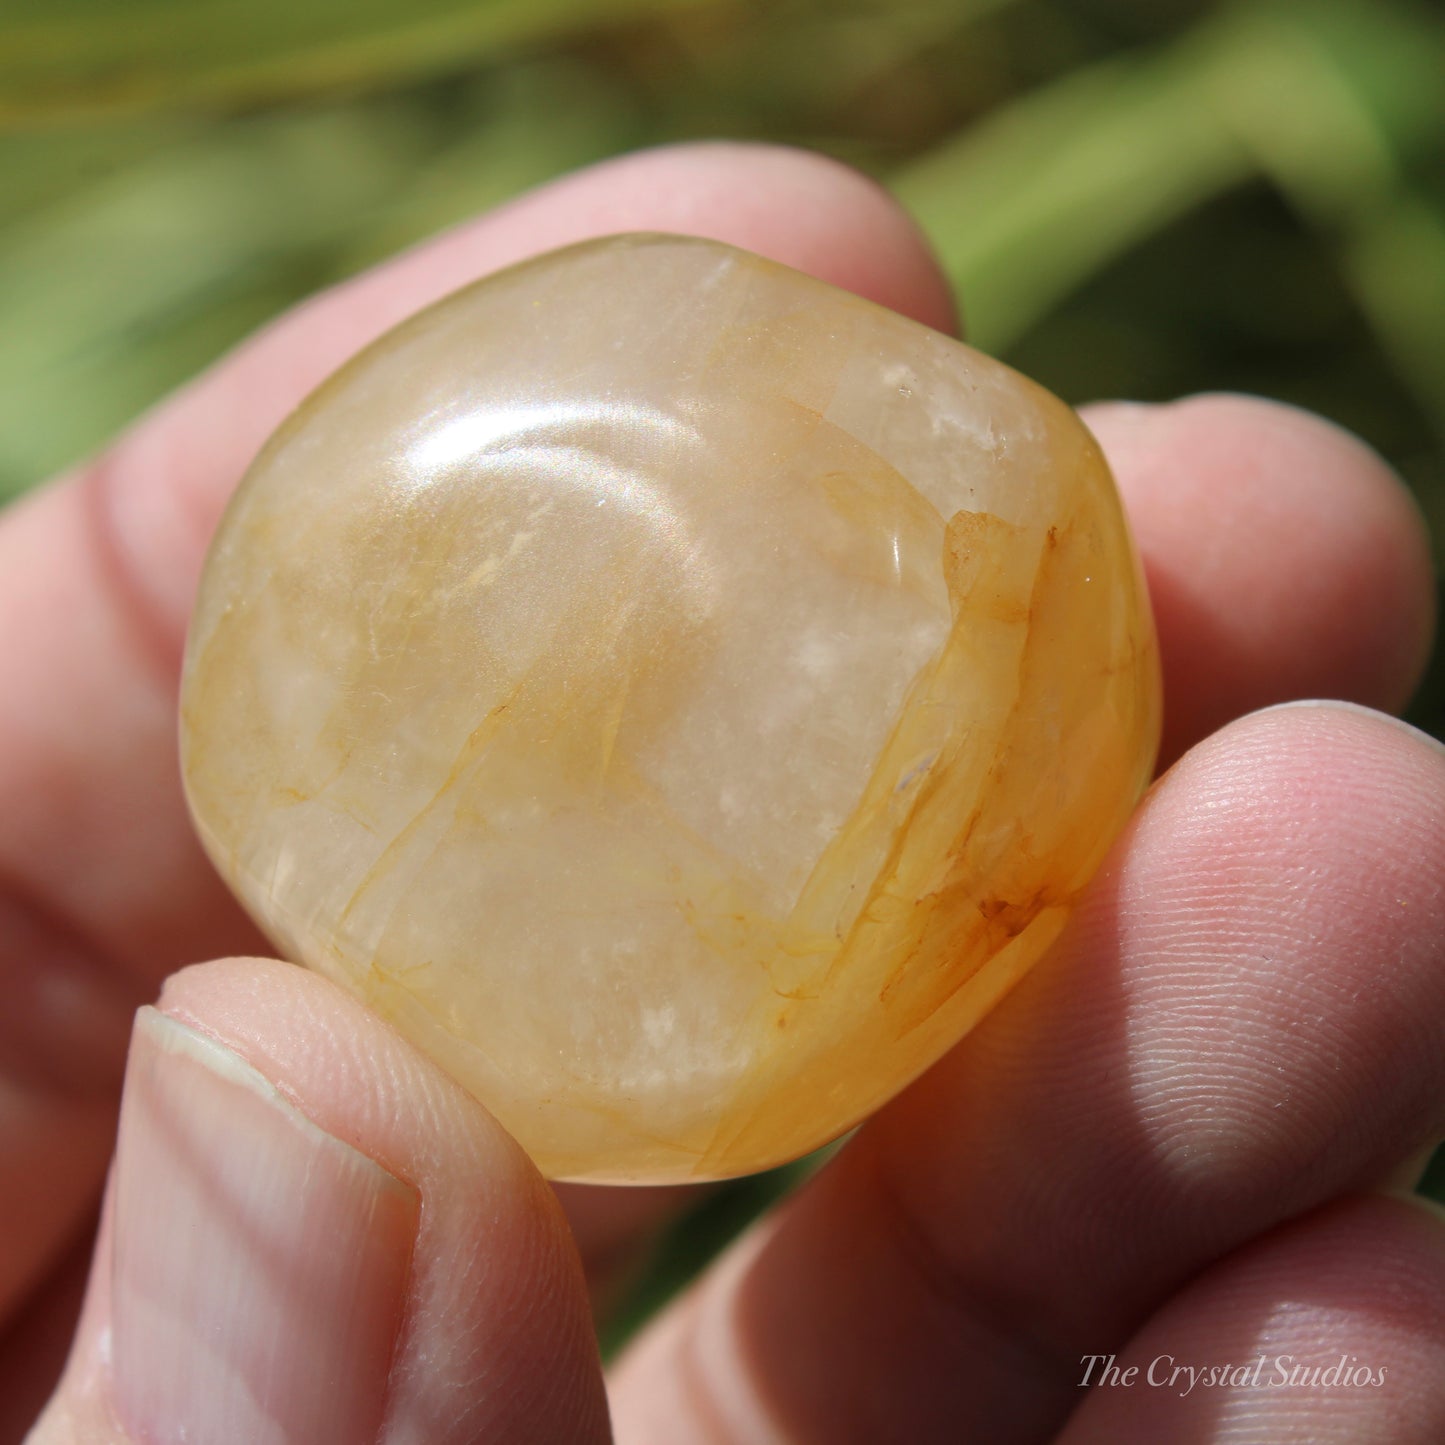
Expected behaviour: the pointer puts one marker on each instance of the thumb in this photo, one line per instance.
(312, 1237)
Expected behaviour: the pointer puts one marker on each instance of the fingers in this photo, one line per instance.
(1245, 1017)
(1284, 559)
(311, 1234)
(95, 850)
(1334, 1326)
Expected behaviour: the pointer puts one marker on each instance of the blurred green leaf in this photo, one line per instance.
(1024, 207)
(1389, 54)
(69, 58)
(526, 125)
(1396, 260)
(1309, 98)
(846, 46)
(97, 291)
(1027, 206)
(39, 168)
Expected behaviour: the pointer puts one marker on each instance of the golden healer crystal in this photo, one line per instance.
(681, 696)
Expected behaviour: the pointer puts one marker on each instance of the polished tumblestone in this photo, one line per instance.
(681, 696)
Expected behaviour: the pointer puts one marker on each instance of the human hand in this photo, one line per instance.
(1173, 1138)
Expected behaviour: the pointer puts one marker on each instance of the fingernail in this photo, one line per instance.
(260, 1264)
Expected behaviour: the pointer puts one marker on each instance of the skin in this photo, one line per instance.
(1186, 1132)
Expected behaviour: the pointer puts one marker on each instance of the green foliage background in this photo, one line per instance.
(1135, 198)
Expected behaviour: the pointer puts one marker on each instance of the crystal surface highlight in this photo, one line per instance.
(681, 696)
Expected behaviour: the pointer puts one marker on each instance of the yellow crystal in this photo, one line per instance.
(681, 696)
